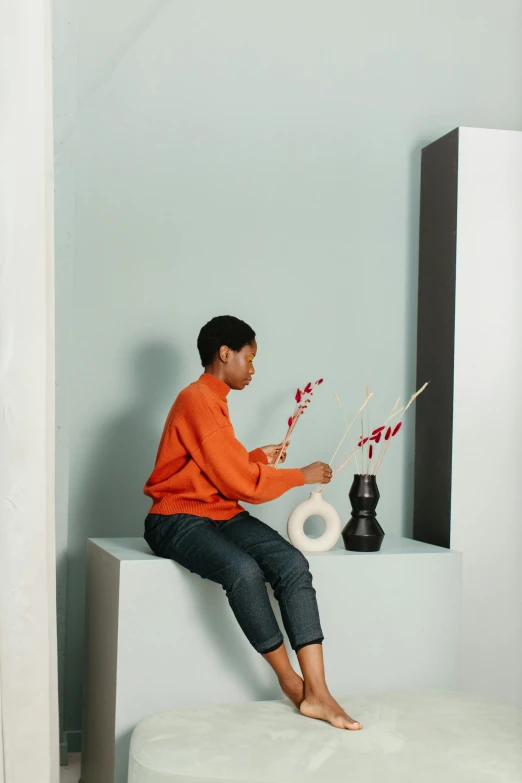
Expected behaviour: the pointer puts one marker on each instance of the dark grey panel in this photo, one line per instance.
(436, 340)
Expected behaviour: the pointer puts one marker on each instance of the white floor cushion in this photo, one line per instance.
(408, 737)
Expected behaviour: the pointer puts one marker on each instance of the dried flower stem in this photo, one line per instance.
(414, 396)
(291, 428)
(363, 406)
(385, 449)
(354, 450)
(338, 469)
(394, 412)
(302, 402)
(368, 423)
(362, 441)
(412, 400)
(348, 430)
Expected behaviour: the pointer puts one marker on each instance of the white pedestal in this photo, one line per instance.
(468, 422)
(159, 637)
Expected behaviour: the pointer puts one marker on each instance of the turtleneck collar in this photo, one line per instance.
(220, 388)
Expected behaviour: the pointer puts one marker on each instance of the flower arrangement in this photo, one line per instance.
(368, 443)
(303, 398)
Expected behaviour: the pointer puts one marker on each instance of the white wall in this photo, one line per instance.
(487, 452)
(28, 656)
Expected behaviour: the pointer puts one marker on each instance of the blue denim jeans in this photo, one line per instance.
(241, 555)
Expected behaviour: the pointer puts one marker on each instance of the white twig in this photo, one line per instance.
(338, 470)
(348, 430)
(412, 399)
(368, 423)
(363, 406)
(394, 412)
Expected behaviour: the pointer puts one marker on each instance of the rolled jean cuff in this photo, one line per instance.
(270, 645)
(313, 641)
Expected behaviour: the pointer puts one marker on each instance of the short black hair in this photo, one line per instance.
(223, 330)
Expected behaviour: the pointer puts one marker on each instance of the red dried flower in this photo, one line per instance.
(362, 442)
(290, 420)
(320, 381)
(377, 438)
(388, 434)
(379, 429)
(298, 395)
(308, 388)
(370, 452)
(397, 428)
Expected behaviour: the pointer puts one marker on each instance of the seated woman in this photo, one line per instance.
(201, 475)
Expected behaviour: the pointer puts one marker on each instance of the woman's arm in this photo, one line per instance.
(258, 455)
(227, 464)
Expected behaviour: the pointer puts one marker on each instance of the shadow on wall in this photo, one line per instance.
(108, 500)
(111, 501)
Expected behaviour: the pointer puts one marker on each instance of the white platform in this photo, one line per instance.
(469, 341)
(159, 637)
(422, 737)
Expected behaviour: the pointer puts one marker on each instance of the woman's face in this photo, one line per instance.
(240, 366)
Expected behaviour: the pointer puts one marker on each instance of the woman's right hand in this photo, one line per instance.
(317, 473)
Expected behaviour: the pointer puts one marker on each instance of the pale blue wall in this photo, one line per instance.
(257, 158)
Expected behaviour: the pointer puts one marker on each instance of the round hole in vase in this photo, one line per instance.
(314, 527)
(314, 506)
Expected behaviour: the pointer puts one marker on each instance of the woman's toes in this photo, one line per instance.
(345, 722)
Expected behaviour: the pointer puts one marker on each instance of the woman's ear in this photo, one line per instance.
(224, 353)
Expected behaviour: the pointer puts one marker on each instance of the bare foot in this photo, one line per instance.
(293, 688)
(324, 707)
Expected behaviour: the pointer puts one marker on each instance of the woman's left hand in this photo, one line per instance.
(272, 452)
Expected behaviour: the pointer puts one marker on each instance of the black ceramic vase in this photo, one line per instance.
(363, 533)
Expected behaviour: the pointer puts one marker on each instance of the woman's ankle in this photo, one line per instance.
(289, 676)
(315, 691)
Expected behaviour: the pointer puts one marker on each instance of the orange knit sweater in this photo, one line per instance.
(201, 468)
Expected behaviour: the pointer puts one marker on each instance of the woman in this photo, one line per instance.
(201, 473)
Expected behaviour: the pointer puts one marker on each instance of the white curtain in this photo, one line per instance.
(28, 677)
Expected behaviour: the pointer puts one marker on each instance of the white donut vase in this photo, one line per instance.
(316, 505)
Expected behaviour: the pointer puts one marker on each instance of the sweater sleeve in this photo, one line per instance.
(258, 455)
(226, 463)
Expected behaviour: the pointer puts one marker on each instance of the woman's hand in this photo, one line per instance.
(317, 473)
(272, 452)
